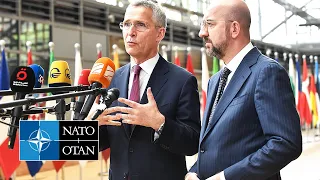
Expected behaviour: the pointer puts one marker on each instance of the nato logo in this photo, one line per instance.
(58, 140)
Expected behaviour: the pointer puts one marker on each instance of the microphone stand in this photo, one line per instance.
(49, 89)
(31, 100)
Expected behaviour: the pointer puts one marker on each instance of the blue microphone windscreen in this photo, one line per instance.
(39, 75)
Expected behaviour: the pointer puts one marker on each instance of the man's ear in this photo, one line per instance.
(161, 32)
(235, 29)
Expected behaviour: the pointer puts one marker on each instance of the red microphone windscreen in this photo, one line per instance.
(83, 79)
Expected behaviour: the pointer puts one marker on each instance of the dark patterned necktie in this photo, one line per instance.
(135, 89)
(222, 85)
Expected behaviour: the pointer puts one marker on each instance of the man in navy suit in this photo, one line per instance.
(158, 105)
(251, 128)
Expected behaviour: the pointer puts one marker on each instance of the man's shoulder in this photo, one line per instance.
(265, 61)
(177, 70)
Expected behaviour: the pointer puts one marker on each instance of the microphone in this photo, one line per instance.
(22, 82)
(83, 80)
(112, 95)
(38, 74)
(100, 76)
(59, 75)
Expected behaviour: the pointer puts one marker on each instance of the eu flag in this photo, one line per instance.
(4, 73)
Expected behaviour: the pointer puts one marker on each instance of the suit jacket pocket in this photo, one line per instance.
(238, 100)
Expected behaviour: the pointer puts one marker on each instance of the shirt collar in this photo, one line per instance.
(235, 62)
(148, 65)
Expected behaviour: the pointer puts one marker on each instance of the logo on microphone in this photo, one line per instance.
(40, 79)
(22, 74)
(97, 68)
(67, 71)
(58, 140)
(109, 73)
(55, 73)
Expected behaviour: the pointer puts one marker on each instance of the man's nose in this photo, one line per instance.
(132, 30)
(203, 33)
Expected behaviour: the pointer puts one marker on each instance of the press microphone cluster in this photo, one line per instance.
(28, 80)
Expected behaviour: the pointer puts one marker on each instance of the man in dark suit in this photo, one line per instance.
(158, 105)
(251, 128)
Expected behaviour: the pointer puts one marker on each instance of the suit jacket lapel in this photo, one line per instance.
(211, 94)
(235, 84)
(122, 83)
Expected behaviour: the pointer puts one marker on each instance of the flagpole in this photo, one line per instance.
(29, 46)
(2, 44)
(99, 50)
(80, 172)
(276, 56)
(164, 52)
(318, 124)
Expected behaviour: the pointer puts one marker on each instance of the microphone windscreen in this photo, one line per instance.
(102, 72)
(83, 79)
(59, 74)
(39, 74)
(22, 79)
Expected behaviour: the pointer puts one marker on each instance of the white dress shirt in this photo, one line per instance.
(232, 66)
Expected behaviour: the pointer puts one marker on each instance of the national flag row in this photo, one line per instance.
(9, 159)
(305, 83)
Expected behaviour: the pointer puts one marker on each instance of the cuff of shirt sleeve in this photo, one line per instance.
(222, 177)
(158, 132)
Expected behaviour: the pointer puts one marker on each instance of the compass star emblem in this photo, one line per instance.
(39, 140)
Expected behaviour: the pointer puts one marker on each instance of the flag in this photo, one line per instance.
(313, 102)
(34, 167)
(4, 75)
(29, 56)
(189, 64)
(9, 158)
(99, 54)
(116, 58)
(304, 98)
(176, 59)
(78, 64)
(204, 79)
(292, 78)
(215, 65)
(316, 78)
(58, 165)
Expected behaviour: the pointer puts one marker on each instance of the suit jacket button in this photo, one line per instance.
(202, 151)
(131, 150)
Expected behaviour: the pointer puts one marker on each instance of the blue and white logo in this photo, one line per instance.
(39, 140)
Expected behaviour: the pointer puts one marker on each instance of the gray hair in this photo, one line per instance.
(158, 13)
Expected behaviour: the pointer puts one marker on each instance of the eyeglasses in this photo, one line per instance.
(209, 23)
(139, 26)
